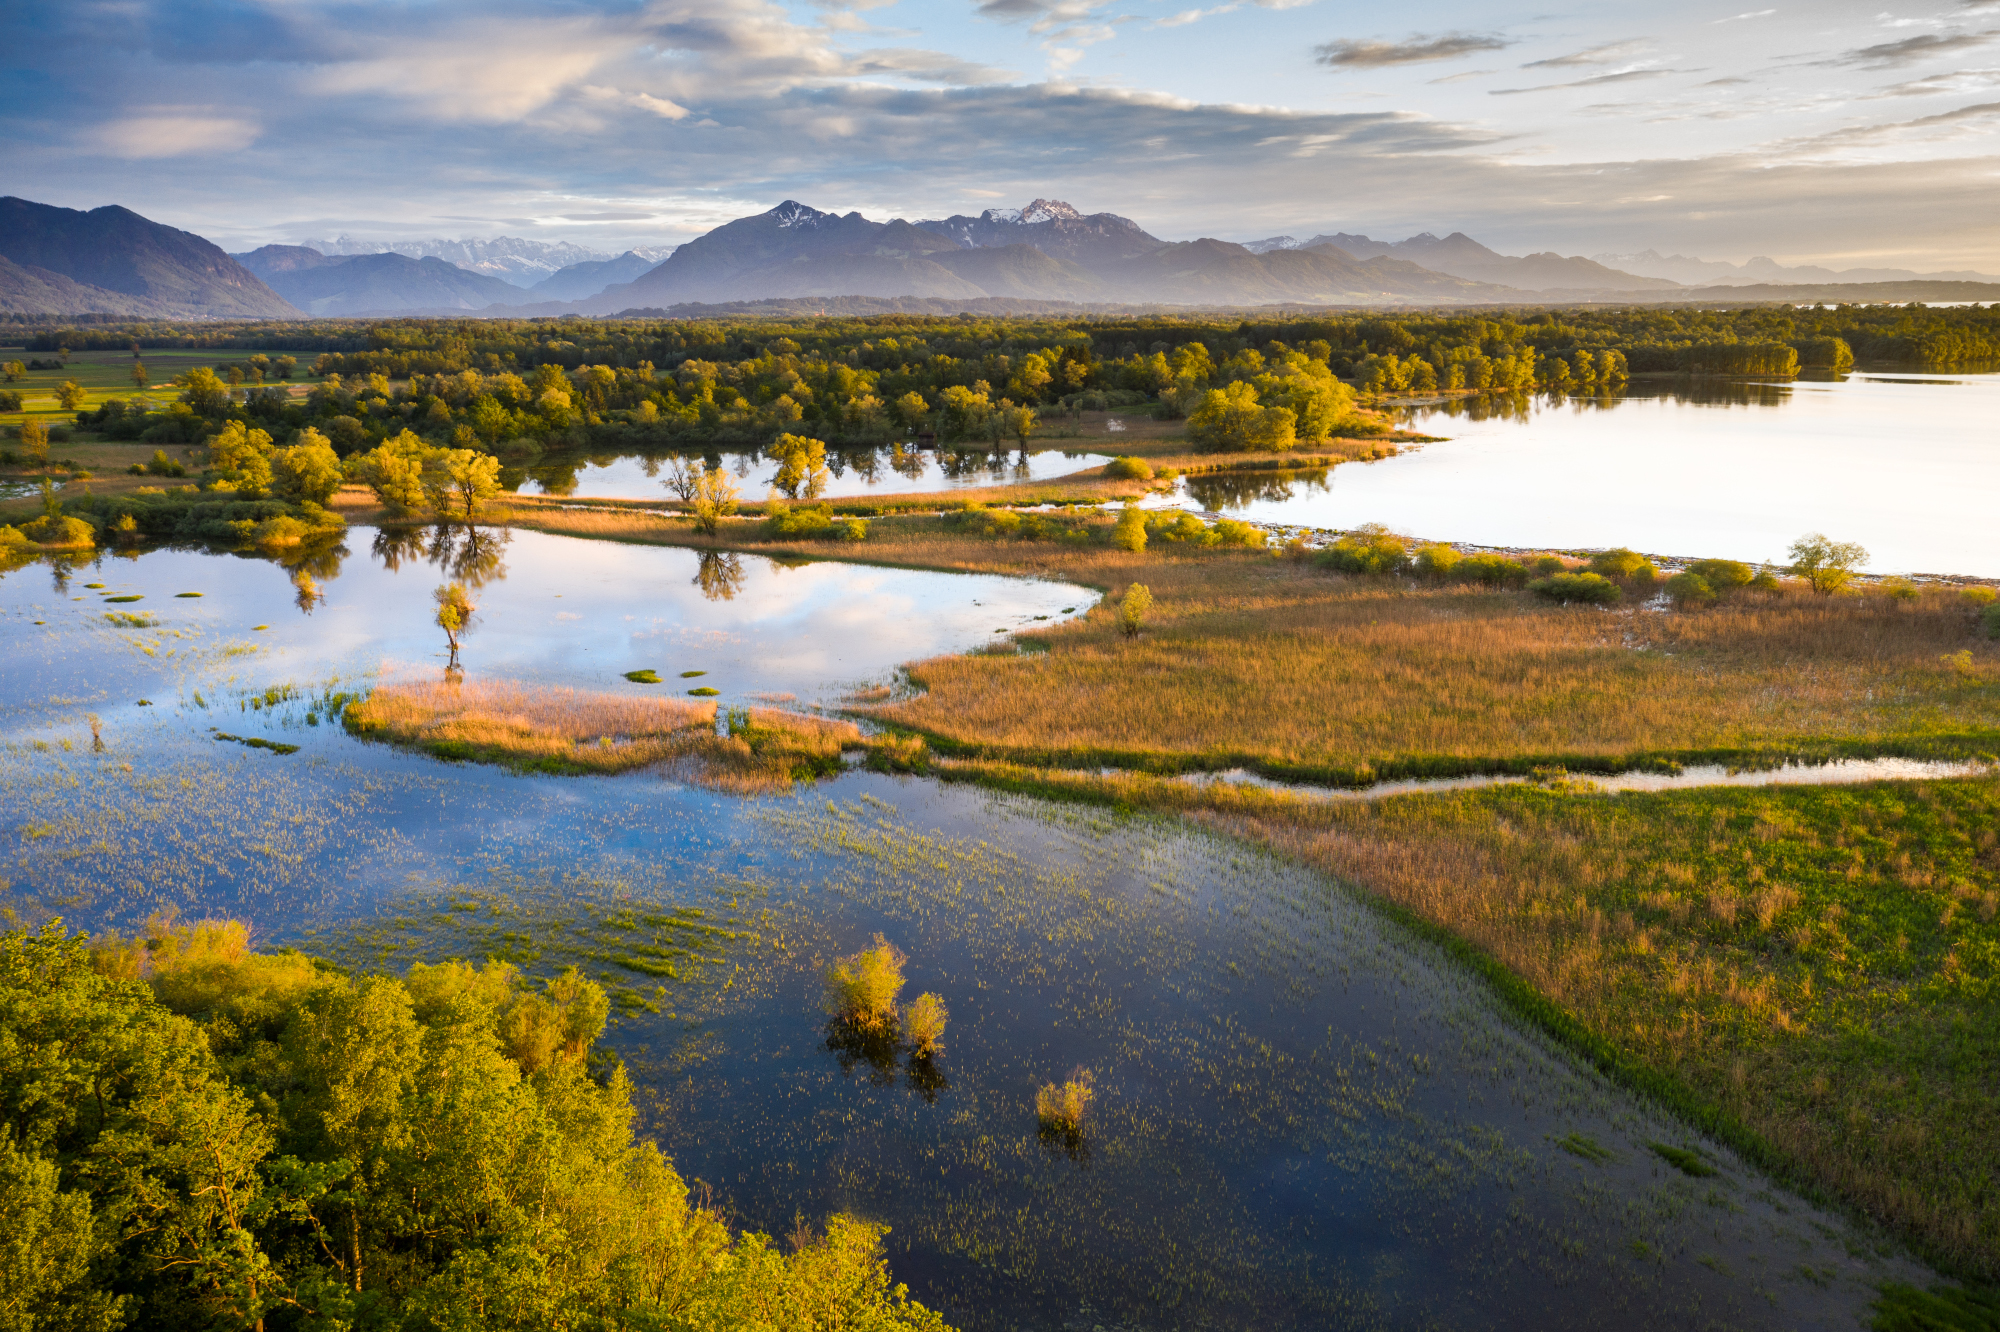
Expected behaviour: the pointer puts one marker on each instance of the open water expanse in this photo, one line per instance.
(1906, 464)
(1306, 1117)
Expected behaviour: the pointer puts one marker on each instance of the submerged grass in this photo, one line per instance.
(1810, 972)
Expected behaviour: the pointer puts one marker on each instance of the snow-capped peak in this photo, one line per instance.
(792, 213)
(1049, 210)
(1001, 215)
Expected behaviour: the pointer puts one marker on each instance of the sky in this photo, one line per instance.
(1836, 132)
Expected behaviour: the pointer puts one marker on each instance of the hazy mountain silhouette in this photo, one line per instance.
(333, 285)
(141, 267)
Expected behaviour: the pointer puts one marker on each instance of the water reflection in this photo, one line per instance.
(474, 556)
(1685, 467)
(1233, 490)
(898, 468)
(719, 575)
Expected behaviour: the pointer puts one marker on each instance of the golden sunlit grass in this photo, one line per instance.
(1252, 660)
(571, 731)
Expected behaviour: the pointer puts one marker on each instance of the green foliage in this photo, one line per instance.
(802, 470)
(202, 1136)
(1133, 608)
(1723, 576)
(455, 609)
(1690, 591)
(813, 523)
(1130, 533)
(394, 470)
(1230, 420)
(1683, 1160)
(1826, 564)
(1438, 560)
(1623, 564)
(1368, 549)
(1129, 469)
(308, 471)
(861, 988)
(59, 531)
(1230, 532)
(1588, 588)
(70, 395)
(35, 442)
(1904, 1308)
(1989, 621)
(648, 676)
(714, 499)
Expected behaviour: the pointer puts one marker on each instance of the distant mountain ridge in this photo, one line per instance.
(335, 285)
(1720, 272)
(513, 259)
(1461, 256)
(110, 260)
(1048, 250)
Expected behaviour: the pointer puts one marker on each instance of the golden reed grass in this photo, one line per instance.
(557, 729)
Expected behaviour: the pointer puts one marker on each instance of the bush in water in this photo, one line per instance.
(861, 988)
(1062, 1105)
(923, 1025)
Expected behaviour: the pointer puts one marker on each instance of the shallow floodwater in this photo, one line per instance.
(1305, 1118)
(1905, 464)
(854, 472)
(1838, 772)
(553, 609)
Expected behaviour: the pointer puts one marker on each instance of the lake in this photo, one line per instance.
(1905, 464)
(1307, 1118)
(854, 472)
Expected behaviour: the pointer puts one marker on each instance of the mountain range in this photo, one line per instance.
(58, 261)
(1721, 273)
(524, 263)
(1461, 256)
(111, 260)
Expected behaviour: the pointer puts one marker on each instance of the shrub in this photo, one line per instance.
(1492, 570)
(1766, 582)
(1184, 527)
(782, 520)
(861, 988)
(1229, 532)
(1989, 620)
(1588, 588)
(1002, 522)
(1132, 609)
(11, 536)
(60, 532)
(1901, 590)
(1130, 534)
(35, 441)
(1690, 591)
(10, 401)
(852, 529)
(1062, 1105)
(1438, 560)
(1368, 549)
(1129, 469)
(1624, 564)
(1978, 596)
(1545, 566)
(923, 1024)
(1723, 576)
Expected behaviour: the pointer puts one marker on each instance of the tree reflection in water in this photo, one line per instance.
(720, 576)
(474, 556)
(1227, 490)
(881, 1050)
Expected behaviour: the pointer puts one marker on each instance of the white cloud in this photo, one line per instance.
(173, 132)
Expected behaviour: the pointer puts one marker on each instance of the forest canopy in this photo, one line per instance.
(195, 1135)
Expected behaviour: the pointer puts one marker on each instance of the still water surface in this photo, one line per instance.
(1906, 464)
(1306, 1118)
(854, 472)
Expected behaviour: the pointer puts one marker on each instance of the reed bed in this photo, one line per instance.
(572, 731)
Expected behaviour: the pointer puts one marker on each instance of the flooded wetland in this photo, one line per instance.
(1305, 1115)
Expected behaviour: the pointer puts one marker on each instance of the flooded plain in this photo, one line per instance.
(1306, 1117)
(1902, 463)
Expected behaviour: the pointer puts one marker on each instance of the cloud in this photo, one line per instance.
(1936, 85)
(1187, 16)
(1415, 49)
(1622, 76)
(1895, 55)
(174, 132)
(1608, 53)
(1738, 18)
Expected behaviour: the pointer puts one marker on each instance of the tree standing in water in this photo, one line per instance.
(454, 613)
